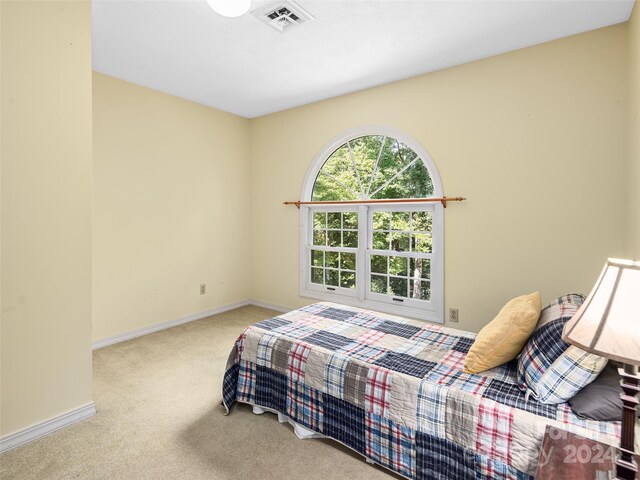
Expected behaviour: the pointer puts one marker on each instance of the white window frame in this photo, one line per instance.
(431, 310)
(417, 307)
(315, 287)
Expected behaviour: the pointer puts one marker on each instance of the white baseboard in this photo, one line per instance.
(270, 306)
(41, 429)
(56, 423)
(122, 337)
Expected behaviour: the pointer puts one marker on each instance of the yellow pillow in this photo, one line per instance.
(505, 336)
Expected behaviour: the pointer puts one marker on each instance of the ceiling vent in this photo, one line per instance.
(283, 14)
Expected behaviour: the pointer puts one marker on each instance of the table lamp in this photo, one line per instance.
(608, 324)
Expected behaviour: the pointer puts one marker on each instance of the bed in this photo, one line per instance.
(393, 390)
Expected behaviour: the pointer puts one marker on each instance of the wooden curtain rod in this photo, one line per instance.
(442, 200)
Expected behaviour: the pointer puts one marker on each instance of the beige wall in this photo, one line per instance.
(534, 139)
(46, 210)
(633, 202)
(171, 207)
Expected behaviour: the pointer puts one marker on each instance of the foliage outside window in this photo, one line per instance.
(383, 256)
(372, 167)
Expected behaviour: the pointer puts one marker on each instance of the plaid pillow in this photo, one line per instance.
(550, 369)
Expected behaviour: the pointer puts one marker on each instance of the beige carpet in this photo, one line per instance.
(159, 417)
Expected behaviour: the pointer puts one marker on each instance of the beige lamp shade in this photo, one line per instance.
(608, 322)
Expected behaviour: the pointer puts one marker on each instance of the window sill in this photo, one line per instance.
(433, 316)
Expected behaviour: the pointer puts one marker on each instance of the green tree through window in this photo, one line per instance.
(372, 167)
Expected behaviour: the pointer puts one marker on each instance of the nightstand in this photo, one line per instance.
(568, 456)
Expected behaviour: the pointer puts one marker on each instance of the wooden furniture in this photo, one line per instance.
(568, 456)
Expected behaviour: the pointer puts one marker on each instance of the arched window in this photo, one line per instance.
(384, 256)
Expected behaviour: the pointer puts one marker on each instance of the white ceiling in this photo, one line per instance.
(245, 67)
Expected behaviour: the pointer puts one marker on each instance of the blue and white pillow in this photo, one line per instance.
(549, 369)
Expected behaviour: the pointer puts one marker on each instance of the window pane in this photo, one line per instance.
(378, 284)
(331, 259)
(317, 275)
(404, 273)
(350, 220)
(420, 268)
(398, 286)
(348, 261)
(348, 279)
(319, 220)
(398, 266)
(421, 289)
(333, 219)
(422, 242)
(395, 156)
(400, 242)
(381, 220)
(317, 258)
(379, 264)
(319, 237)
(331, 277)
(422, 221)
(350, 239)
(365, 153)
(400, 221)
(414, 182)
(326, 189)
(340, 166)
(334, 238)
(380, 241)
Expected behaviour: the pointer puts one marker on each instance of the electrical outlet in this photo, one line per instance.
(203, 288)
(453, 315)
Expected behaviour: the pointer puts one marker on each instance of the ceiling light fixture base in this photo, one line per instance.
(230, 8)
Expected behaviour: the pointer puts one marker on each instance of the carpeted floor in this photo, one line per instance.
(159, 417)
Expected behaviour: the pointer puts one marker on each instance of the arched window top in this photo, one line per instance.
(374, 167)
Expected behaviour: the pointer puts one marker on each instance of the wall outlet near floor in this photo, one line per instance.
(453, 315)
(203, 288)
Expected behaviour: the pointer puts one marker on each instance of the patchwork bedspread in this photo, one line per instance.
(393, 390)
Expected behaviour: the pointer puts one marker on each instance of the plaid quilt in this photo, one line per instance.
(394, 390)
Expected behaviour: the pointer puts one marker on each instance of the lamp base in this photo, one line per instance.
(626, 467)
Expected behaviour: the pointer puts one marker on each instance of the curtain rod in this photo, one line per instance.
(442, 200)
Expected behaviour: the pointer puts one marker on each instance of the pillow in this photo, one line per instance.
(550, 369)
(502, 339)
(600, 400)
